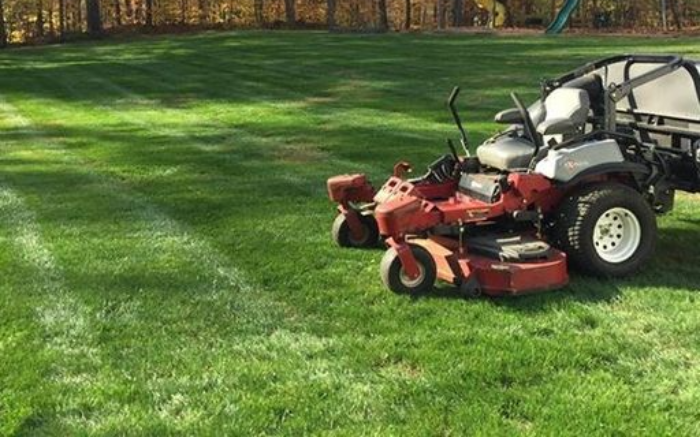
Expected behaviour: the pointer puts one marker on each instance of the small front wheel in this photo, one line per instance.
(343, 236)
(396, 279)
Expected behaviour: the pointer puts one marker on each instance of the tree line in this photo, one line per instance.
(36, 21)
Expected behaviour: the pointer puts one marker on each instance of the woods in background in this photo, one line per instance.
(35, 21)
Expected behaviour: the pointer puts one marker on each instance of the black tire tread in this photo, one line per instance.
(340, 232)
(570, 229)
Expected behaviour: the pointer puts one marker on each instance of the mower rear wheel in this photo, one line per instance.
(396, 279)
(343, 236)
(605, 230)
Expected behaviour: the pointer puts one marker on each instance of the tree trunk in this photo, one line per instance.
(330, 14)
(149, 13)
(441, 14)
(129, 11)
(457, 13)
(676, 15)
(52, 27)
(383, 15)
(78, 19)
(204, 11)
(407, 16)
(258, 5)
(290, 12)
(118, 13)
(61, 20)
(183, 12)
(3, 31)
(94, 18)
(40, 18)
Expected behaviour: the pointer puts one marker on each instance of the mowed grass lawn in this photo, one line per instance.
(166, 264)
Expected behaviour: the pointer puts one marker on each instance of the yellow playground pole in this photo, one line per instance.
(497, 11)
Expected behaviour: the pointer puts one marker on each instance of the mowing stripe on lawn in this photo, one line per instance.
(160, 224)
(192, 141)
(275, 347)
(65, 319)
(242, 134)
(164, 230)
(65, 316)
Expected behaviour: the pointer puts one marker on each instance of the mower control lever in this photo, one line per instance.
(529, 127)
(453, 150)
(455, 115)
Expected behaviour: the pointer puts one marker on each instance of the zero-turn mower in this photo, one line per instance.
(576, 179)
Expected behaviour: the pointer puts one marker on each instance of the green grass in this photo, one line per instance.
(167, 267)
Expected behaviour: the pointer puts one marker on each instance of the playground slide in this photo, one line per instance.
(559, 23)
(500, 18)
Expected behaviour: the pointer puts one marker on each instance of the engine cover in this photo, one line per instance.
(564, 164)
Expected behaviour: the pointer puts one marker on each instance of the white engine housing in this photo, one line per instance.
(565, 164)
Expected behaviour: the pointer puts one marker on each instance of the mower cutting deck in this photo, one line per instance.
(575, 179)
(495, 266)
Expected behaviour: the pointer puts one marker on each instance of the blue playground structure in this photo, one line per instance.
(562, 18)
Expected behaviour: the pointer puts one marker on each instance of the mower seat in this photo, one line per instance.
(566, 113)
(563, 112)
(506, 153)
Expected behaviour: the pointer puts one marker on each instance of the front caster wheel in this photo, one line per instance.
(396, 279)
(470, 288)
(343, 236)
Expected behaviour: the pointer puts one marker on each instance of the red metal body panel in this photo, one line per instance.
(350, 188)
(396, 187)
(496, 278)
(403, 209)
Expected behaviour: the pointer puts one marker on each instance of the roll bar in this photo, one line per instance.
(616, 92)
(671, 64)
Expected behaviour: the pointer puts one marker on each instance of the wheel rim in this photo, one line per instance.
(617, 235)
(411, 283)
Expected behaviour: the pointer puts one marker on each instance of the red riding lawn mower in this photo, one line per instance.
(577, 178)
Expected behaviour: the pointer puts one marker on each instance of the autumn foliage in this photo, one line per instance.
(36, 21)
